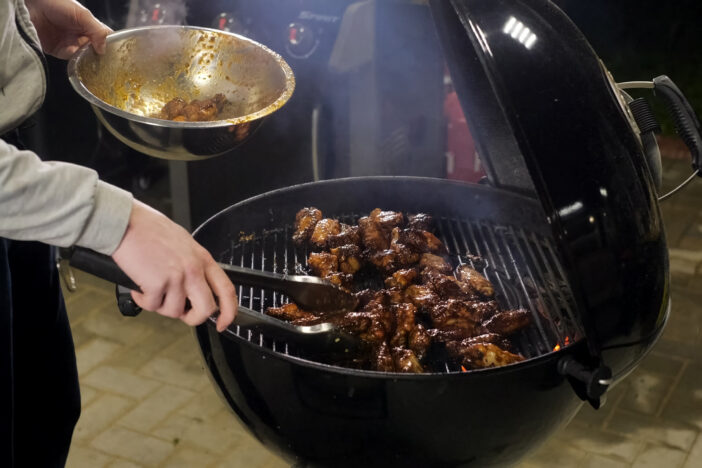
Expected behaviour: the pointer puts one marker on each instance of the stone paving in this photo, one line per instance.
(147, 401)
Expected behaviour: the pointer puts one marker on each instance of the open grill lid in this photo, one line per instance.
(548, 122)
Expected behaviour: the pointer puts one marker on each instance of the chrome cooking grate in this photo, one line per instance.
(522, 266)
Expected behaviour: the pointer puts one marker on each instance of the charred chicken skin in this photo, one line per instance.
(426, 306)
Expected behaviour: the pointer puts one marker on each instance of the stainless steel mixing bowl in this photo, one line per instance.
(144, 68)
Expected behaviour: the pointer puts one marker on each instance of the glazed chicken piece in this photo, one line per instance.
(445, 286)
(406, 361)
(305, 221)
(323, 230)
(434, 262)
(173, 109)
(323, 264)
(380, 296)
(419, 341)
(475, 281)
(395, 296)
(343, 280)
(419, 241)
(196, 111)
(376, 228)
(389, 261)
(349, 235)
(423, 297)
(482, 355)
(373, 237)
(420, 221)
(401, 278)
(373, 324)
(382, 359)
(405, 323)
(367, 295)
(292, 313)
(509, 322)
(349, 257)
(387, 220)
(455, 314)
(455, 337)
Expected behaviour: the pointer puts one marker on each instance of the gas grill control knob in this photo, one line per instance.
(302, 41)
(232, 23)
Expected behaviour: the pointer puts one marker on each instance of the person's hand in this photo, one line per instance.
(66, 25)
(169, 267)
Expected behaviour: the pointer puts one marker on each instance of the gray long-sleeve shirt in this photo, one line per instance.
(57, 203)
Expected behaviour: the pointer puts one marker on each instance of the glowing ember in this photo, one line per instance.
(464, 369)
(566, 342)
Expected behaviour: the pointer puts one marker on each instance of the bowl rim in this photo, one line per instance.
(83, 91)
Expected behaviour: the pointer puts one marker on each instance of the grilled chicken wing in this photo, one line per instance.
(323, 230)
(323, 264)
(292, 313)
(389, 260)
(401, 278)
(343, 280)
(455, 314)
(422, 296)
(406, 361)
(420, 221)
(349, 256)
(443, 285)
(382, 359)
(509, 322)
(434, 262)
(387, 220)
(349, 235)
(305, 221)
(419, 241)
(419, 340)
(475, 281)
(405, 323)
(376, 228)
(195, 111)
(482, 355)
(373, 237)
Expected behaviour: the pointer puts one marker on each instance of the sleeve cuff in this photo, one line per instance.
(109, 219)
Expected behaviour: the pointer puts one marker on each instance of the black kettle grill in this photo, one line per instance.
(570, 227)
(570, 217)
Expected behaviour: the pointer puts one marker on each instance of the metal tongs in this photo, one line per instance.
(308, 292)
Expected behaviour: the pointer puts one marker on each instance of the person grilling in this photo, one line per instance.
(49, 204)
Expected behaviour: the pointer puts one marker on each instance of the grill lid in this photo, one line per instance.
(548, 122)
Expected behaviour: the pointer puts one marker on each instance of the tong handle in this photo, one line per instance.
(101, 266)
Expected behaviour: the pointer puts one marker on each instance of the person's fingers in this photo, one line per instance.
(149, 301)
(226, 295)
(174, 304)
(201, 299)
(94, 29)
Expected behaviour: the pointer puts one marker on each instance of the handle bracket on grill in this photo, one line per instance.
(589, 383)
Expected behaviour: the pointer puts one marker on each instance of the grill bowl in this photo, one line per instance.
(315, 414)
(144, 68)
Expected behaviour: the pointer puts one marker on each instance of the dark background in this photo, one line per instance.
(636, 39)
(642, 39)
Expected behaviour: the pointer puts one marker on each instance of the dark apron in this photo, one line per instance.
(39, 393)
(41, 401)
